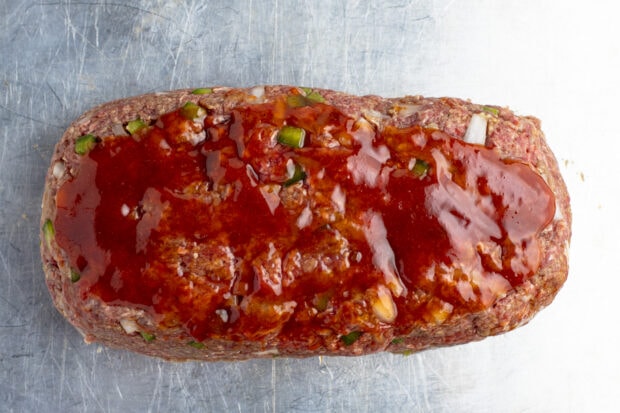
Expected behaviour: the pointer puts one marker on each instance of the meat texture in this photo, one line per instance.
(234, 293)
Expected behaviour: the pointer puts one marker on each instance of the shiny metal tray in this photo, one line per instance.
(559, 62)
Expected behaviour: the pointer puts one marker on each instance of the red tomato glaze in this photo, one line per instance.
(201, 223)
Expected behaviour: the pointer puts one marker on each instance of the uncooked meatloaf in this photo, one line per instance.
(231, 223)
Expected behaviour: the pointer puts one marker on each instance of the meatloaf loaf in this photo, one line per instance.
(229, 223)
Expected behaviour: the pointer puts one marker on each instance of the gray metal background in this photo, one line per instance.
(557, 60)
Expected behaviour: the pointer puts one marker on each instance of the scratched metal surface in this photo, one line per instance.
(561, 63)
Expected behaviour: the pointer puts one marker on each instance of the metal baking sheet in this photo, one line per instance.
(558, 62)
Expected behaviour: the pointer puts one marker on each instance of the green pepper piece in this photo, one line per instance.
(350, 338)
(192, 111)
(48, 232)
(148, 337)
(196, 344)
(315, 97)
(85, 144)
(398, 340)
(312, 96)
(75, 276)
(202, 91)
(420, 168)
(135, 125)
(298, 175)
(297, 101)
(491, 109)
(292, 136)
(321, 301)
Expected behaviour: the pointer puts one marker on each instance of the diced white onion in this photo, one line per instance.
(405, 110)
(287, 307)
(223, 314)
(339, 199)
(220, 119)
(58, 170)
(440, 311)
(383, 305)
(258, 92)
(196, 138)
(125, 210)
(477, 130)
(375, 117)
(290, 168)
(270, 352)
(305, 218)
(129, 325)
(252, 175)
(358, 257)
(558, 212)
(165, 145)
(271, 195)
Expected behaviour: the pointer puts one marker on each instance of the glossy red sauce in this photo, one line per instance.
(203, 233)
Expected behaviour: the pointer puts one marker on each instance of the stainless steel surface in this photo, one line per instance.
(558, 61)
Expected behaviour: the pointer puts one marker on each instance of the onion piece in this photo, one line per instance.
(269, 352)
(258, 92)
(477, 130)
(118, 130)
(271, 194)
(339, 199)
(220, 119)
(375, 117)
(305, 218)
(558, 212)
(405, 110)
(252, 175)
(383, 305)
(222, 314)
(129, 325)
(290, 168)
(58, 170)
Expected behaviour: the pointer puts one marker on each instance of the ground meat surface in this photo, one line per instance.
(228, 223)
